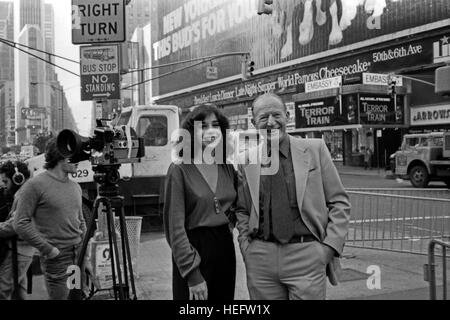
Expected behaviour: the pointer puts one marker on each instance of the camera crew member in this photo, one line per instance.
(49, 216)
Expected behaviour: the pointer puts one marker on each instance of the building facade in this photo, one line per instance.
(31, 94)
(49, 38)
(40, 103)
(137, 16)
(7, 115)
(333, 77)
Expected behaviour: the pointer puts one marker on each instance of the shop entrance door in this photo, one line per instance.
(388, 144)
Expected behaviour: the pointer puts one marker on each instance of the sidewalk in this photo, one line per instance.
(401, 275)
(360, 171)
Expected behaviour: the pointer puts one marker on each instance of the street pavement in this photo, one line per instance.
(367, 274)
(400, 274)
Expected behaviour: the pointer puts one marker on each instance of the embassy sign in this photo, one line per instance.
(98, 22)
(323, 84)
(99, 69)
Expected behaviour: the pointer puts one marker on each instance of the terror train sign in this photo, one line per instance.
(98, 22)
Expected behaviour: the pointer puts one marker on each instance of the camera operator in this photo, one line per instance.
(18, 255)
(49, 217)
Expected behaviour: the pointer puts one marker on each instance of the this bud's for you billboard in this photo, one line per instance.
(189, 29)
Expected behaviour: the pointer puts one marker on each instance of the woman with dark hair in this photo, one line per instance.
(198, 209)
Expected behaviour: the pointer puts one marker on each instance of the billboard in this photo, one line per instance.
(189, 29)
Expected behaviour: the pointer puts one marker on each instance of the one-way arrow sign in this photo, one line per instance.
(102, 95)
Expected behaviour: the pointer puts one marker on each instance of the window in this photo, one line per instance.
(424, 142)
(154, 130)
(124, 118)
(411, 142)
(437, 142)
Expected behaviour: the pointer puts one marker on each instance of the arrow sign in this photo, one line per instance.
(102, 95)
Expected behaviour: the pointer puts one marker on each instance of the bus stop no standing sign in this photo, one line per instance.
(100, 77)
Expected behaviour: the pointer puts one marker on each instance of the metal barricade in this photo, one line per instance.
(430, 268)
(438, 193)
(398, 223)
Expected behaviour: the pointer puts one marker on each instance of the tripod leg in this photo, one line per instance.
(124, 240)
(75, 294)
(128, 251)
(114, 251)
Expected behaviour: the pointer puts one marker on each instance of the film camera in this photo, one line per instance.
(109, 146)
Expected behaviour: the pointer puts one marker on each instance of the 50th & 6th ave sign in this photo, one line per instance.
(100, 77)
(98, 22)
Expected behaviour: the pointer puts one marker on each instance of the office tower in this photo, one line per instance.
(32, 96)
(7, 116)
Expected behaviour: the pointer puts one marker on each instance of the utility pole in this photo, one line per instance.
(3, 135)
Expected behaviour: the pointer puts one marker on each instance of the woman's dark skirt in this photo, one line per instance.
(218, 263)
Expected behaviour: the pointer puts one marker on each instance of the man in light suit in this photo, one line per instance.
(292, 222)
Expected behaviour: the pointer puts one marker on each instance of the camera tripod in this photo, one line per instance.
(107, 178)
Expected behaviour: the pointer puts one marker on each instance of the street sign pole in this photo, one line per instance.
(378, 136)
(99, 109)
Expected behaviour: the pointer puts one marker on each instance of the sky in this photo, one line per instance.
(64, 47)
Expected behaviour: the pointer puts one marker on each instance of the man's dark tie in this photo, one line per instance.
(282, 223)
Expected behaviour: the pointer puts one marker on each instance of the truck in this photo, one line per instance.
(423, 158)
(142, 183)
(28, 151)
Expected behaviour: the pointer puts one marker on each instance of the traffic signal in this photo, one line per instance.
(392, 92)
(265, 6)
(247, 68)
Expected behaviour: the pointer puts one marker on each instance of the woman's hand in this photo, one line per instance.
(198, 292)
